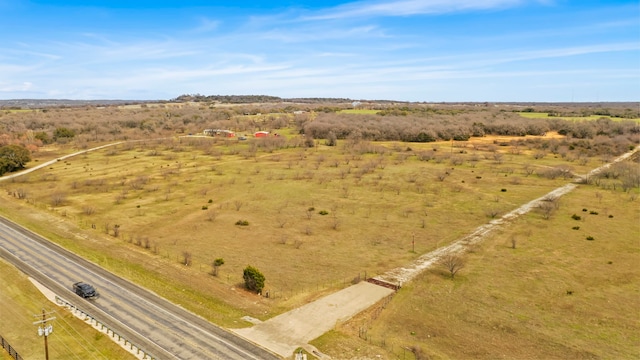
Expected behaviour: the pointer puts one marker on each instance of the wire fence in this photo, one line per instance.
(10, 349)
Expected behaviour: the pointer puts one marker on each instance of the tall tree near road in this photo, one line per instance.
(13, 157)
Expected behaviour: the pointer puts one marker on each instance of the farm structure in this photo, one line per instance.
(219, 132)
(261, 134)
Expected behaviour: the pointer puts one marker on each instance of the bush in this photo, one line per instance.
(205, 207)
(323, 212)
(242, 223)
(576, 228)
(575, 217)
(253, 279)
(590, 238)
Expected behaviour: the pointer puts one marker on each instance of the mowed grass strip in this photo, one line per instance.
(21, 304)
(570, 289)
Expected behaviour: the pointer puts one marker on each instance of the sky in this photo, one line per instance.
(403, 50)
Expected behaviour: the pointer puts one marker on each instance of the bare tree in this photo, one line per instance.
(238, 204)
(335, 224)
(453, 263)
(212, 215)
(186, 258)
(21, 193)
(492, 213)
(57, 198)
(547, 209)
(116, 230)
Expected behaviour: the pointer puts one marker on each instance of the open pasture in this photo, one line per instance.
(317, 217)
(569, 289)
(314, 218)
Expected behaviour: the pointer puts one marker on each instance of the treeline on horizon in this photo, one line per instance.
(381, 122)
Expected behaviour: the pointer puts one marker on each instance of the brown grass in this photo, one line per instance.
(159, 192)
(556, 296)
(184, 195)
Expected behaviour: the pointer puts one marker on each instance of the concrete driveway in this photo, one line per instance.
(284, 333)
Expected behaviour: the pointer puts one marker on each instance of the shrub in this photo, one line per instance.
(590, 238)
(593, 212)
(323, 212)
(576, 228)
(253, 279)
(575, 217)
(204, 207)
(242, 223)
(503, 190)
(584, 210)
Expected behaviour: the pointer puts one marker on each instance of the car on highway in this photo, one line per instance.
(85, 290)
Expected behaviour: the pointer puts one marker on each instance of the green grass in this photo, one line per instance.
(544, 115)
(20, 302)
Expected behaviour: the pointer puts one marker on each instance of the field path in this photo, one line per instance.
(401, 275)
(286, 332)
(50, 162)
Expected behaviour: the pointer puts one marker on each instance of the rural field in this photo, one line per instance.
(345, 194)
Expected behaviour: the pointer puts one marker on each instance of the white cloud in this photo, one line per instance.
(206, 25)
(8, 87)
(410, 7)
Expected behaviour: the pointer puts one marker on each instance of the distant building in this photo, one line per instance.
(261, 134)
(219, 132)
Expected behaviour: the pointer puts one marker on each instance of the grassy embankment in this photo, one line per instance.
(21, 304)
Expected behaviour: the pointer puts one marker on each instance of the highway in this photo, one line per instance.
(162, 329)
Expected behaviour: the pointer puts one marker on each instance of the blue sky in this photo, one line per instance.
(409, 50)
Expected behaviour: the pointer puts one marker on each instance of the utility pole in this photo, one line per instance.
(45, 330)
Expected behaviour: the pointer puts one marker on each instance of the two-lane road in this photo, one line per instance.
(159, 327)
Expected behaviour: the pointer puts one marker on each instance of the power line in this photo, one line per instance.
(77, 336)
(45, 330)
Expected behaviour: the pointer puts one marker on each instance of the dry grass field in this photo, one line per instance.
(159, 211)
(556, 295)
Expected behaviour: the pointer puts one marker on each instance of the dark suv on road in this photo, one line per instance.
(85, 290)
